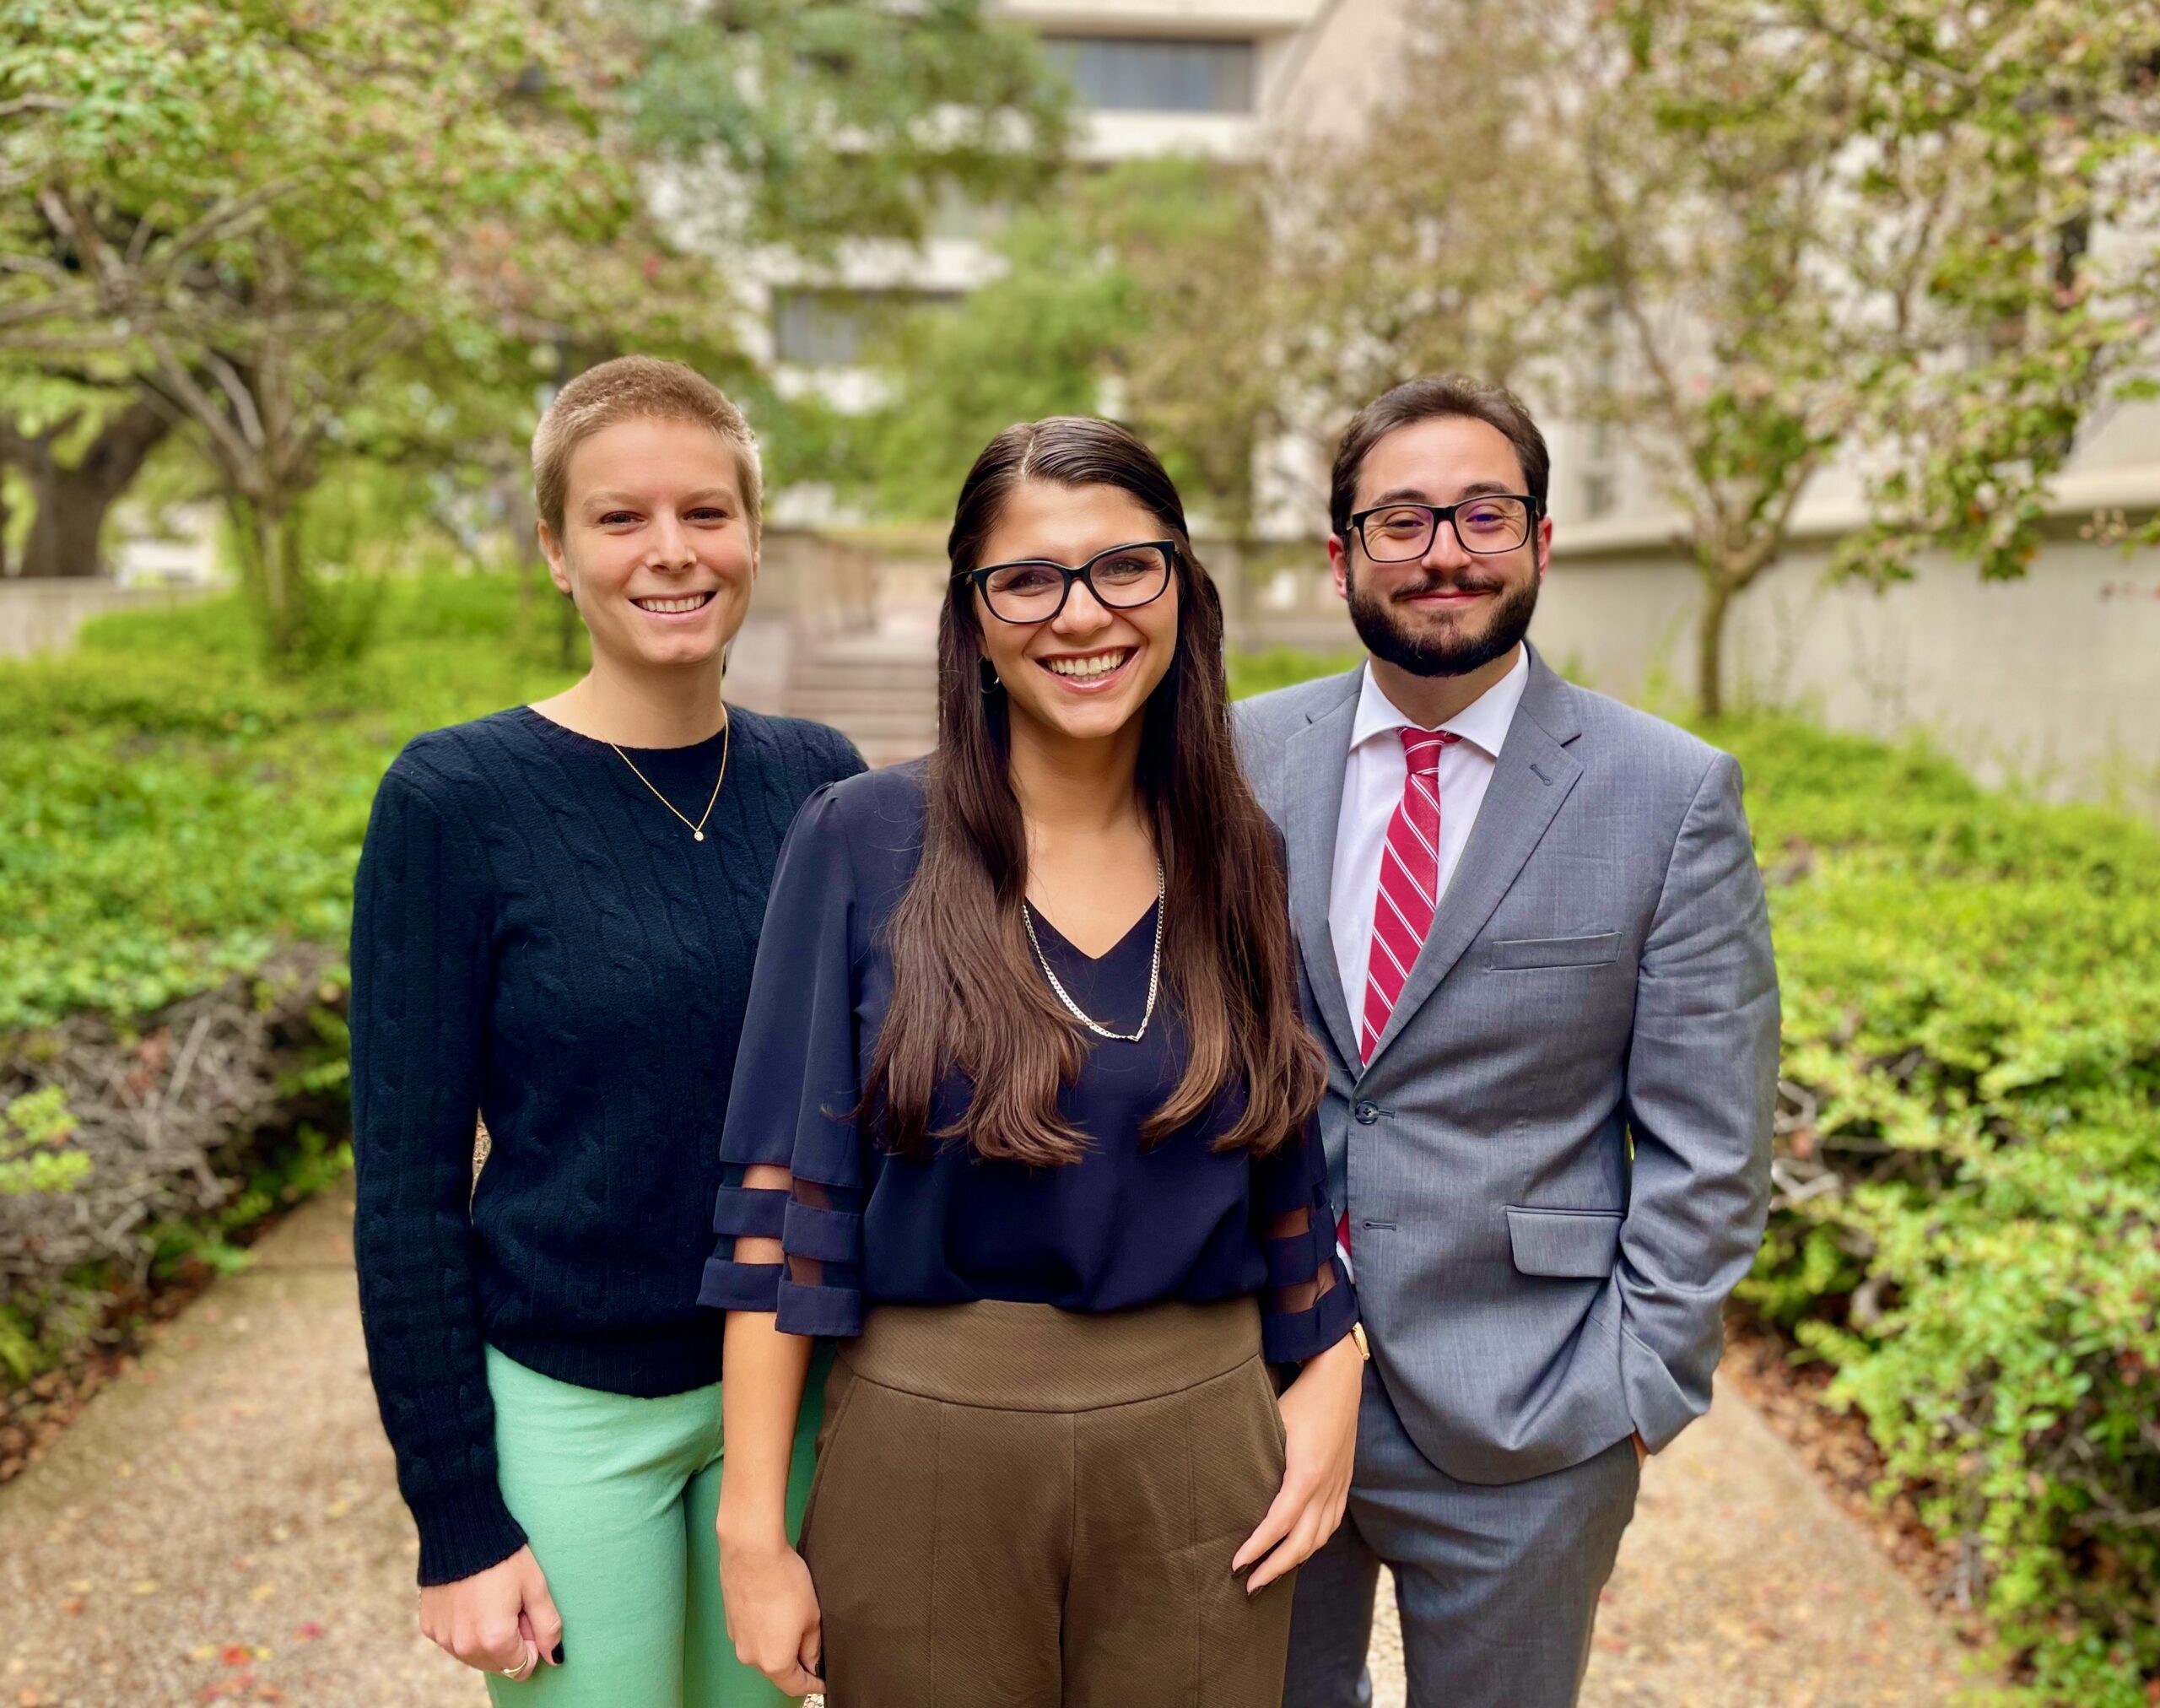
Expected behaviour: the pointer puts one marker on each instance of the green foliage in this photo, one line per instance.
(1968, 1218)
(378, 230)
(1283, 667)
(2031, 136)
(310, 1164)
(1970, 1227)
(1039, 340)
(36, 1332)
(32, 1131)
(305, 232)
(1916, 250)
(1137, 293)
(836, 119)
(170, 809)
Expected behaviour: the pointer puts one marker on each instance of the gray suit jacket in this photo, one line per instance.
(1535, 1286)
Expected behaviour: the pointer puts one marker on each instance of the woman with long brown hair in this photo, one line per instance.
(1023, 1116)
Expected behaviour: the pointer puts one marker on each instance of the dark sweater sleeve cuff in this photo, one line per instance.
(465, 1533)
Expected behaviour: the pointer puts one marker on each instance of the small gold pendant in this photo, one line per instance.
(699, 834)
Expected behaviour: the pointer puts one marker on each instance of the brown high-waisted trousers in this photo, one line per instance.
(1018, 1507)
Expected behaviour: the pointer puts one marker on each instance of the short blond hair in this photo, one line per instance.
(636, 388)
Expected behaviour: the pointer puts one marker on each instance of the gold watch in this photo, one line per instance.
(1364, 1346)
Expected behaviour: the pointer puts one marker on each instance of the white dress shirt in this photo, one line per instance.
(1373, 781)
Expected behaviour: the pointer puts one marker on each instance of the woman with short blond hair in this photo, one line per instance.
(556, 915)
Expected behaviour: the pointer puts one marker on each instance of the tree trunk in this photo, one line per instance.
(1710, 642)
(67, 524)
(65, 528)
(514, 492)
(266, 532)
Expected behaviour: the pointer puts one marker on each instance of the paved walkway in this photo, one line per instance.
(222, 1526)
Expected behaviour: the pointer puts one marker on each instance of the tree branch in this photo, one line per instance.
(227, 214)
(180, 386)
(245, 414)
(1814, 15)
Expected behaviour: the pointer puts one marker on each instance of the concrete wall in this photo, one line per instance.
(43, 616)
(2053, 681)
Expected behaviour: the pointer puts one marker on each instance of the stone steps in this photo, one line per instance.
(880, 690)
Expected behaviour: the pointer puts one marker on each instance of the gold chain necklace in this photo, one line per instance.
(697, 829)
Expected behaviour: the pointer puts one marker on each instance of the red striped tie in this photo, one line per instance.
(1410, 882)
(1409, 892)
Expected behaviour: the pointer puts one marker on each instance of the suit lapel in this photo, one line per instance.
(1532, 779)
(1313, 759)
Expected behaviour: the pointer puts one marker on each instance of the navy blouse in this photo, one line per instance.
(1123, 1227)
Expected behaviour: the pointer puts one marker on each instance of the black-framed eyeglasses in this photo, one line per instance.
(1034, 590)
(1492, 521)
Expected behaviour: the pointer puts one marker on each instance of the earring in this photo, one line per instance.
(986, 675)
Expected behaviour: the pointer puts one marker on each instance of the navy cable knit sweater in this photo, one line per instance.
(538, 940)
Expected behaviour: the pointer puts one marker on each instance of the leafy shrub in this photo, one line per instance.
(32, 1128)
(169, 812)
(148, 1142)
(1282, 667)
(178, 830)
(1968, 1222)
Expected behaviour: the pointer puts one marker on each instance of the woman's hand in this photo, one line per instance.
(500, 1620)
(772, 1612)
(1320, 1419)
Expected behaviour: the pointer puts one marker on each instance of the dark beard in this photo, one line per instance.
(1447, 651)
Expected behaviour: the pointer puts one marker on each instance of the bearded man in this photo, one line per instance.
(1533, 947)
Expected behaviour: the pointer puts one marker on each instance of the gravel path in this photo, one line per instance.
(222, 1526)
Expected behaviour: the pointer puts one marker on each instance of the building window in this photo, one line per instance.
(1141, 73)
(831, 329)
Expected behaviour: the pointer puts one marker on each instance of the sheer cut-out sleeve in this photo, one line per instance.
(1309, 1303)
(789, 1213)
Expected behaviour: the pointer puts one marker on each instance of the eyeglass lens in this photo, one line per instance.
(1406, 531)
(1031, 592)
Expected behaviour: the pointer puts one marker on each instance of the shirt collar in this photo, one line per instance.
(1484, 723)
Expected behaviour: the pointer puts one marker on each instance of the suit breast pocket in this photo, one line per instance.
(1534, 953)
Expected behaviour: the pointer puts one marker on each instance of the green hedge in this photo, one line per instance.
(169, 812)
(1971, 1228)
(1968, 1219)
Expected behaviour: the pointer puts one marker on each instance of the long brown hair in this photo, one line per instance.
(967, 995)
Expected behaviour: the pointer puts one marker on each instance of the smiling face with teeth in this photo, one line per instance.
(657, 549)
(1085, 673)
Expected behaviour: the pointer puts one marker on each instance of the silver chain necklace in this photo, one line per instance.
(1073, 1008)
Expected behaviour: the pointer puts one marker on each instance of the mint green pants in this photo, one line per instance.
(618, 1496)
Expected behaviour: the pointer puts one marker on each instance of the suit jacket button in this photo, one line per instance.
(1366, 1114)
